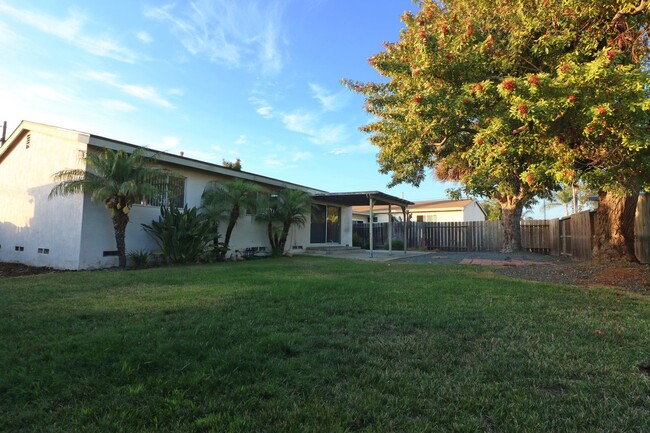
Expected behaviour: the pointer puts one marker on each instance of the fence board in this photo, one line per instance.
(642, 230)
(554, 237)
(582, 232)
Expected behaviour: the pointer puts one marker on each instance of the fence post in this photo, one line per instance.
(642, 229)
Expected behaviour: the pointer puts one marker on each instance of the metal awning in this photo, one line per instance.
(370, 198)
(361, 198)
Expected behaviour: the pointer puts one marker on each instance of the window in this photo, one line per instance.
(172, 192)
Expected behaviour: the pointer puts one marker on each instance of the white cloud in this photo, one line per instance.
(241, 140)
(301, 156)
(300, 122)
(273, 161)
(114, 105)
(146, 93)
(176, 92)
(166, 143)
(70, 29)
(237, 34)
(308, 124)
(45, 92)
(265, 111)
(363, 147)
(329, 101)
(144, 37)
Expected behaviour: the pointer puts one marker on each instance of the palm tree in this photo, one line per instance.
(563, 197)
(287, 208)
(116, 178)
(227, 200)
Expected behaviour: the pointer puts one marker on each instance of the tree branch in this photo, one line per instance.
(620, 14)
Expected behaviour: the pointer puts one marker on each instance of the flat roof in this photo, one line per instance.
(361, 198)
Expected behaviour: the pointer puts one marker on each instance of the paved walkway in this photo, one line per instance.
(463, 258)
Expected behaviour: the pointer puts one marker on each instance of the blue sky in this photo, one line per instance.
(258, 80)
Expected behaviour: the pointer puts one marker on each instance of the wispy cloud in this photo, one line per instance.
(237, 34)
(363, 147)
(45, 92)
(71, 29)
(114, 105)
(144, 37)
(241, 140)
(328, 101)
(308, 124)
(264, 109)
(146, 93)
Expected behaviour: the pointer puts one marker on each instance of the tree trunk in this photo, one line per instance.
(120, 220)
(510, 218)
(285, 234)
(232, 221)
(614, 227)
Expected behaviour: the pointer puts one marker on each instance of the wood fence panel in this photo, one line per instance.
(642, 230)
(535, 235)
(582, 232)
(554, 237)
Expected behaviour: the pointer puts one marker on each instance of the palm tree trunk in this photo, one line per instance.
(120, 220)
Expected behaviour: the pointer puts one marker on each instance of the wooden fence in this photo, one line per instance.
(571, 236)
(642, 229)
(456, 236)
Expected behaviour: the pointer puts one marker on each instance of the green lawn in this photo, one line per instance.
(319, 345)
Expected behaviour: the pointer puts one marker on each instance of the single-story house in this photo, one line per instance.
(72, 232)
(426, 211)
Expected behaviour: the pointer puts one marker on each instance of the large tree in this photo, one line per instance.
(118, 180)
(512, 97)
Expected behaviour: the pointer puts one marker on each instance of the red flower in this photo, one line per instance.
(530, 179)
(534, 80)
(611, 54)
(477, 88)
(602, 110)
(523, 110)
(417, 99)
(445, 29)
(572, 98)
(509, 85)
(479, 141)
(565, 68)
(465, 101)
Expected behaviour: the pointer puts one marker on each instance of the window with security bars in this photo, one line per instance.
(171, 192)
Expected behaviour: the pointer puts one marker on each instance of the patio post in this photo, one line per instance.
(390, 230)
(405, 228)
(372, 203)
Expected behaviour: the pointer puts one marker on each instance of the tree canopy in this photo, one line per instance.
(513, 97)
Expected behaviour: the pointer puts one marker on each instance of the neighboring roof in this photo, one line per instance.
(423, 206)
(362, 198)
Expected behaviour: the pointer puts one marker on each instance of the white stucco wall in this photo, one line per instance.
(75, 231)
(27, 218)
(474, 213)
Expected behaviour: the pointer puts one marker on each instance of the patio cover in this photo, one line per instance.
(370, 198)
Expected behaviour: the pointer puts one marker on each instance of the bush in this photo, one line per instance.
(184, 235)
(359, 241)
(398, 245)
(139, 259)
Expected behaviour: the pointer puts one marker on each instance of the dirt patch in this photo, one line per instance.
(20, 270)
(630, 276)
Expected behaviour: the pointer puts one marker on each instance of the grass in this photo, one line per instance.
(319, 345)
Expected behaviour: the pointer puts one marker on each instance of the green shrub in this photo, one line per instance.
(183, 235)
(398, 245)
(359, 241)
(139, 259)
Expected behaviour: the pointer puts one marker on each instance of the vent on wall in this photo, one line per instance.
(110, 253)
(28, 141)
(44, 251)
(19, 248)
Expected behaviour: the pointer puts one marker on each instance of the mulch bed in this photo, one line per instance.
(20, 270)
(624, 275)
